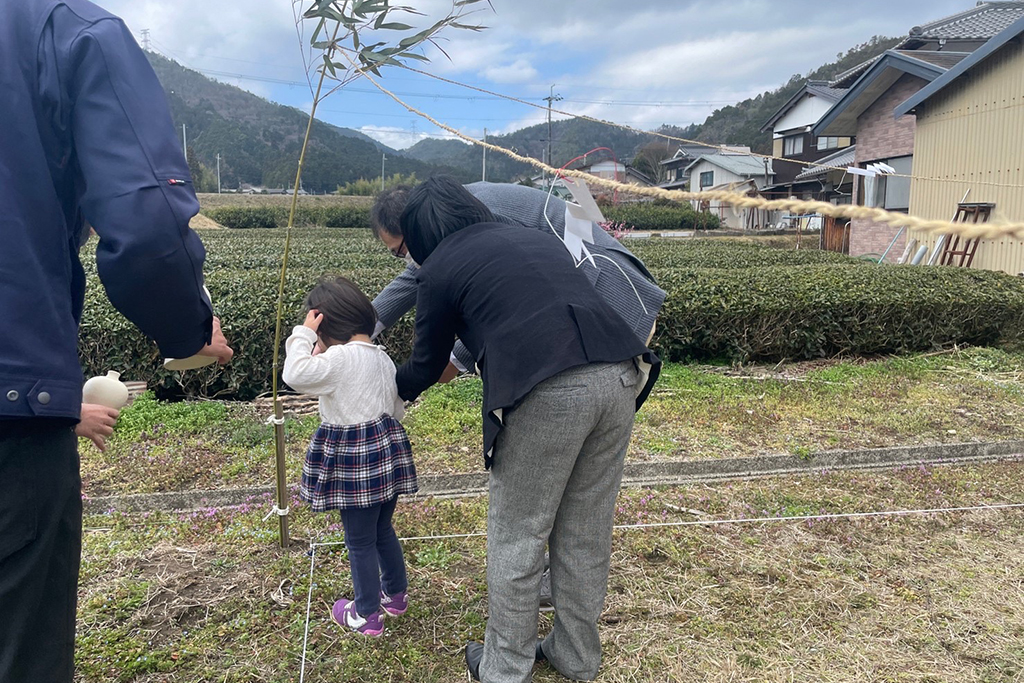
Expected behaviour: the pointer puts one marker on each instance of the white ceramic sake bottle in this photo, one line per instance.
(107, 391)
(192, 362)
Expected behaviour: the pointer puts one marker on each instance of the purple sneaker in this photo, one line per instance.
(344, 614)
(396, 604)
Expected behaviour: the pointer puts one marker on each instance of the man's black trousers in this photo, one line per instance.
(40, 550)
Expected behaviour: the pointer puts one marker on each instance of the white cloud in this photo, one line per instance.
(736, 55)
(626, 57)
(519, 71)
(400, 138)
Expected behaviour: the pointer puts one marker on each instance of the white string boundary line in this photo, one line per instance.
(309, 603)
(706, 522)
(620, 527)
(739, 520)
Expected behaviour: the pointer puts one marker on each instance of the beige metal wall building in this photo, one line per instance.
(970, 134)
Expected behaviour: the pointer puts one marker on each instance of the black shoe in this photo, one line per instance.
(474, 653)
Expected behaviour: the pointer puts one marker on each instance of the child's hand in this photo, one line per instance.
(313, 319)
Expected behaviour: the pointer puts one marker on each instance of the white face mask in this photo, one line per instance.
(409, 260)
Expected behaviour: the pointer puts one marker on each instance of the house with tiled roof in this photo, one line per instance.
(962, 32)
(967, 145)
(874, 89)
(791, 130)
(729, 170)
(675, 167)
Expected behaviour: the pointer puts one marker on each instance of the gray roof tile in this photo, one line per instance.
(981, 22)
(842, 158)
(945, 60)
(740, 164)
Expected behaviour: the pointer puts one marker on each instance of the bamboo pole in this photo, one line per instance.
(281, 507)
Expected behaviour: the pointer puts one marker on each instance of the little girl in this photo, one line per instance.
(359, 460)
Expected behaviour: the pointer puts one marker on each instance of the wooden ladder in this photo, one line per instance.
(965, 249)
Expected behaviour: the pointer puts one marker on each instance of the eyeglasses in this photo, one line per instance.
(397, 251)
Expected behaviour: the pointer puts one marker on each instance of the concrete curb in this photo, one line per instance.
(636, 474)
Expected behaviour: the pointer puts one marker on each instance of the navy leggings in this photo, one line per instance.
(374, 554)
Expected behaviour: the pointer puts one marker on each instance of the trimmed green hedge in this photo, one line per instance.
(632, 216)
(764, 304)
(716, 253)
(650, 216)
(277, 216)
(802, 312)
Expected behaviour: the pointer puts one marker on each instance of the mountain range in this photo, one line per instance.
(259, 140)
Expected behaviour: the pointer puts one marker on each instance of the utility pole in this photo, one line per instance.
(383, 156)
(145, 39)
(483, 176)
(551, 98)
(184, 142)
(218, 172)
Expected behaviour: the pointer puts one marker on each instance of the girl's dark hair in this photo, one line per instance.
(346, 310)
(436, 208)
(386, 214)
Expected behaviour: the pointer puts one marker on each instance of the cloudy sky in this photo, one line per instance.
(642, 62)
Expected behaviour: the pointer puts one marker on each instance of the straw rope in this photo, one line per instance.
(675, 138)
(795, 206)
(709, 145)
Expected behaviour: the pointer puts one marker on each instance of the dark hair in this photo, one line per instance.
(346, 310)
(386, 214)
(436, 208)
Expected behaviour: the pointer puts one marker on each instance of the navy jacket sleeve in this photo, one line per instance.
(435, 337)
(138, 193)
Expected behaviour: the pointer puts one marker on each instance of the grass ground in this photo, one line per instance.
(695, 412)
(207, 596)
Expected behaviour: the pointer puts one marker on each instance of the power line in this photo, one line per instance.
(587, 85)
(406, 116)
(470, 98)
(623, 126)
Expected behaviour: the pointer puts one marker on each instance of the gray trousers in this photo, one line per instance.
(556, 474)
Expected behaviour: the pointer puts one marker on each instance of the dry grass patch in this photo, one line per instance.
(207, 596)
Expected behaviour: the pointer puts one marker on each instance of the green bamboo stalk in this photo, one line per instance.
(279, 440)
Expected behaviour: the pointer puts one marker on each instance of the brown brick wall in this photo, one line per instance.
(880, 136)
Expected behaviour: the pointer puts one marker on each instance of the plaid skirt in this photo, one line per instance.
(357, 466)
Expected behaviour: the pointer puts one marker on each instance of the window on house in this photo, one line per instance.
(890, 192)
(897, 190)
(707, 178)
(793, 145)
(829, 142)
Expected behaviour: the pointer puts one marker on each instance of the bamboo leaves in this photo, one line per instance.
(351, 22)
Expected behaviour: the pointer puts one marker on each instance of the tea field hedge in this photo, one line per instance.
(650, 216)
(726, 300)
(629, 216)
(277, 216)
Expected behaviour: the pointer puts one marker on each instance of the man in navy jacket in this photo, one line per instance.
(86, 136)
